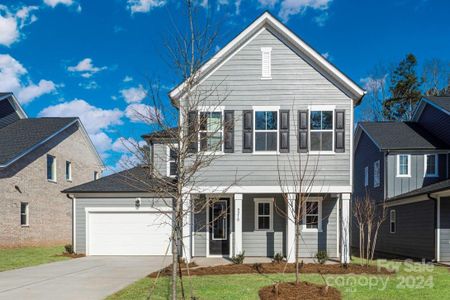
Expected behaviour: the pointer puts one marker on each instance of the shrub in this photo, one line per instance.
(278, 257)
(322, 256)
(238, 259)
(69, 248)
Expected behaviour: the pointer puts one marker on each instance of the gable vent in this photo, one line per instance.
(266, 63)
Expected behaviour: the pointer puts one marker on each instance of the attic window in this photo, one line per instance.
(266, 63)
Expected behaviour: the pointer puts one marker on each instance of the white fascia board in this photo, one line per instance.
(267, 18)
(266, 189)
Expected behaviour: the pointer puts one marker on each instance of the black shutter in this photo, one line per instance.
(339, 143)
(193, 131)
(303, 131)
(247, 133)
(228, 131)
(284, 131)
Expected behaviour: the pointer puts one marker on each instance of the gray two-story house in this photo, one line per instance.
(405, 165)
(285, 104)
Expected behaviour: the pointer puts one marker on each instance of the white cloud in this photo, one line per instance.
(124, 145)
(128, 79)
(12, 78)
(142, 113)
(54, 3)
(95, 119)
(267, 3)
(134, 94)
(12, 21)
(86, 68)
(371, 84)
(144, 6)
(293, 7)
(91, 85)
(322, 19)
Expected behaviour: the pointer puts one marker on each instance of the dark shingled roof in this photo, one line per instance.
(432, 188)
(402, 136)
(137, 179)
(4, 94)
(443, 102)
(22, 135)
(161, 134)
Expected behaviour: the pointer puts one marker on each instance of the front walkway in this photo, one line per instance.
(93, 277)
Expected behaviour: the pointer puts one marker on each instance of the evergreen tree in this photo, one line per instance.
(404, 90)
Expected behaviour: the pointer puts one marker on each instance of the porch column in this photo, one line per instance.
(290, 228)
(238, 223)
(187, 226)
(345, 228)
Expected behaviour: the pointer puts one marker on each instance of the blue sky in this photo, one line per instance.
(93, 58)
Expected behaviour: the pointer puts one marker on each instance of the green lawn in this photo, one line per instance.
(29, 256)
(406, 284)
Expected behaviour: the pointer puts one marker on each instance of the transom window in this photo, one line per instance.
(172, 167)
(210, 131)
(24, 213)
(68, 170)
(51, 168)
(431, 165)
(266, 131)
(312, 214)
(321, 130)
(403, 165)
(263, 214)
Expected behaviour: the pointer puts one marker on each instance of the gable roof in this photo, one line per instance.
(442, 102)
(168, 133)
(269, 21)
(401, 136)
(137, 179)
(432, 188)
(14, 103)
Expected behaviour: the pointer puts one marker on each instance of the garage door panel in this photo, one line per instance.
(119, 233)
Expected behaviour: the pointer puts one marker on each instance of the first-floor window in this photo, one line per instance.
(393, 221)
(376, 174)
(266, 131)
(24, 213)
(321, 130)
(68, 170)
(263, 214)
(431, 165)
(211, 131)
(51, 168)
(172, 161)
(312, 214)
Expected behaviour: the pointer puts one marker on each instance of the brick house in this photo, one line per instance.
(39, 157)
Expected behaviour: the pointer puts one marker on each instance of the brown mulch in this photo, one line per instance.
(167, 271)
(272, 268)
(71, 255)
(304, 291)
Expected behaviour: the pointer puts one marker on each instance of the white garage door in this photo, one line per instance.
(125, 233)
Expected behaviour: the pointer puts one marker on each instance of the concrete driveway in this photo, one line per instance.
(93, 277)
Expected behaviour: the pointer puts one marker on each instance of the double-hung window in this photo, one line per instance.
(312, 214)
(24, 213)
(264, 214)
(211, 131)
(172, 167)
(266, 130)
(321, 130)
(403, 165)
(376, 174)
(68, 170)
(392, 221)
(431, 165)
(51, 168)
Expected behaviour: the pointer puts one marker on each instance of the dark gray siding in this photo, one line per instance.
(400, 185)
(8, 119)
(434, 121)
(126, 202)
(415, 235)
(445, 230)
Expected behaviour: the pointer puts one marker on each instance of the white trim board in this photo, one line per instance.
(265, 189)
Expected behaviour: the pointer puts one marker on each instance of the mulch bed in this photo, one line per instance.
(167, 271)
(272, 268)
(304, 291)
(71, 255)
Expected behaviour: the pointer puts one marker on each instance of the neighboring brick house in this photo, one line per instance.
(39, 157)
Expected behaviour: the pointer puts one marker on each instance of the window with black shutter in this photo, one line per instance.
(247, 134)
(340, 131)
(302, 131)
(284, 131)
(228, 131)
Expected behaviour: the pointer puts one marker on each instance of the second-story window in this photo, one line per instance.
(211, 131)
(266, 131)
(431, 165)
(68, 171)
(376, 174)
(51, 168)
(366, 176)
(321, 130)
(403, 165)
(95, 175)
(172, 167)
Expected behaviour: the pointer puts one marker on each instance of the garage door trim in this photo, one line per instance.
(89, 210)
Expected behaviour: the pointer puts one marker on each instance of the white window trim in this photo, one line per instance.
(211, 109)
(256, 203)
(311, 108)
(366, 176)
(54, 179)
(70, 171)
(226, 227)
(27, 214)
(169, 161)
(266, 108)
(376, 176)
(409, 165)
(436, 165)
(392, 220)
(319, 221)
(266, 50)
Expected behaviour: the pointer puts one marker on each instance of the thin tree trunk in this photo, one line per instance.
(297, 238)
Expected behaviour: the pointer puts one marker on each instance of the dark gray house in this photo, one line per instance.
(407, 164)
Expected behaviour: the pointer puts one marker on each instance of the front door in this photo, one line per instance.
(219, 227)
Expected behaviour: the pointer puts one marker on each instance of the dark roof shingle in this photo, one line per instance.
(20, 136)
(169, 133)
(443, 102)
(432, 188)
(402, 136)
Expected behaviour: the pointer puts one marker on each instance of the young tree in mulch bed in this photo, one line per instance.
(301, 290)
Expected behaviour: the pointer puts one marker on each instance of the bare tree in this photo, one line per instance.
(369, 216)
(377, 89)
(436, 77)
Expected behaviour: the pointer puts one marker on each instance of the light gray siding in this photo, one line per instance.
(200, 233)
(295, 85)
(160, 158)
(445, 229)
(125, 202)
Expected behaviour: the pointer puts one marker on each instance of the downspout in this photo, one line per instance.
(73, 222)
